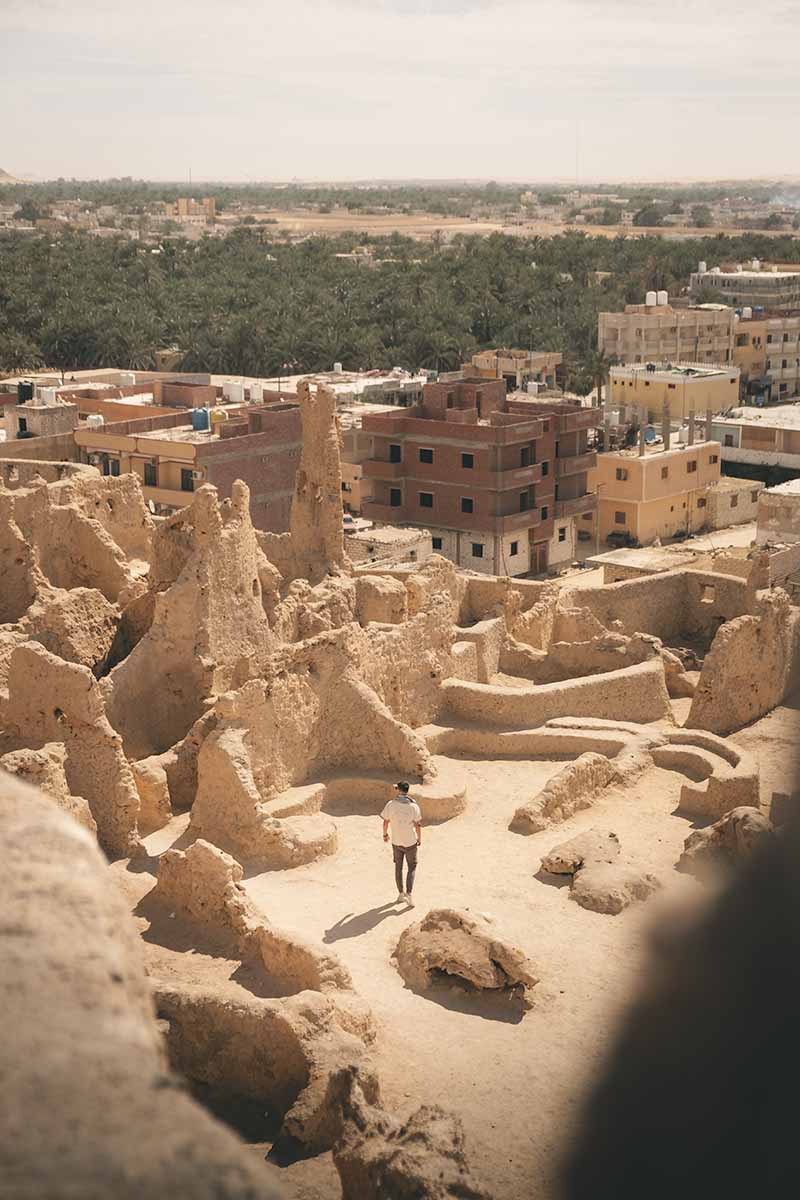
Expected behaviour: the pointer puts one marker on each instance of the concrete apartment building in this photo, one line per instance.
(659, 493)
(753, 287)
(38, 413)
(767, 351)
(187, 209)
(260, 445)
(657, 332)
(683, 388)
(766, 441)
(517, 367)
(356, 448)
(479, 470)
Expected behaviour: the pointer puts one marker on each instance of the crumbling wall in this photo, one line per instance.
(78, 625)
(752, 664)
(45, 769)
(54, 701)
(317, 517)
(91, 1091)
(669, 605)
(209, 630)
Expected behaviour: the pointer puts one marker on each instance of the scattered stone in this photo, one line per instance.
(732, 839)
(599, 882)
(422, 1158)
(459, 946)
(585, 849)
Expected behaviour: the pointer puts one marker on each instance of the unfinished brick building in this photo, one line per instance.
(486, 473)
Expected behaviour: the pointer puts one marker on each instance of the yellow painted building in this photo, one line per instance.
(658, 494)
(686, 388)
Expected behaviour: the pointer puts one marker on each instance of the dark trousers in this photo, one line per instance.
(409, 853)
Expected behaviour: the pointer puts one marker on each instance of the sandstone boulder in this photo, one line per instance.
(609, 888)
(461, 947)
(593, 846)
(379, 1157)
(731, 839)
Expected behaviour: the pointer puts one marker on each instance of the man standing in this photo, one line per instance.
(404, 816)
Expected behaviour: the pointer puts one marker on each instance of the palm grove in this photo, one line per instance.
(250, 303)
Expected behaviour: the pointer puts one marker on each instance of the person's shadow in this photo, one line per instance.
(353, 925)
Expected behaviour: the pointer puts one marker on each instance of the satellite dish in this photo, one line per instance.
(152, 507)
(649, 435)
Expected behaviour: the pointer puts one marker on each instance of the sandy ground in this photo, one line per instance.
(515, 1083)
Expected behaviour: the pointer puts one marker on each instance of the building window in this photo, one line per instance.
(467, 461)
(621, 473)
(701, 503)
(514, 549)
(106, 465)
(544, 513)
(426, 456)
(713, 458)
(436, 542)
(115, 466)
(619, 518)
(150, 475)
(691, 466)
(525, 456)
(784, 363)
(671, 386)
(562, 533)
(734, 501)
(187, 483)
(466, 504)
(545, 469)
(395, 497)
(728, 439)
(524, 501)
(477, 549)
(426, 499)
(665, 472)
(395, 452)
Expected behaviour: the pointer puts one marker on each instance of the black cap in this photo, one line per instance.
(402, 786)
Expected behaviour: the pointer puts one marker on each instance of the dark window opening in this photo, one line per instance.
(426, 456)
(544, 513)
(395, 452)
(395, 497)
(150, 475)
(477, 549)
(466, 504)
(187, 482)
(436, 543)
(467, 461)
(514, 549)
(426, 499)
(115, 466)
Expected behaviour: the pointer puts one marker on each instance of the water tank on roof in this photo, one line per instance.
(95, 421)
(756, 264)
(200, 418)
(47, 395)
(702, 267)
(663, 298)
(234, 392)
(256, 393)
(337, 368)
(217, 416)
(127, 378)
(651, 299)
(747, 312)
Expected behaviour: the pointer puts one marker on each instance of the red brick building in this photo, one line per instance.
(480, 469)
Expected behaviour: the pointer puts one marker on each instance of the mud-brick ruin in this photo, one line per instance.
(211, 990)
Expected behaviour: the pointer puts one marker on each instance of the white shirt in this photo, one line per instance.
(402, 816)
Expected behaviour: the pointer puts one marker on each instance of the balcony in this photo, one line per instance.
(576, 464)
(577, 506)
(587, 418)
(378, 468)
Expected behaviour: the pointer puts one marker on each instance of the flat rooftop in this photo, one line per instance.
(645, 558)
(388, 535)
(748, 274)
(652, 448)
(180, 433)
(675, 370)
(781, 415)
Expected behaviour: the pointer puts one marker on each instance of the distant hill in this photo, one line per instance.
(6, 179)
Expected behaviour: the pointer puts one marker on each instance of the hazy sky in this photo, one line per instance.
(342, 89)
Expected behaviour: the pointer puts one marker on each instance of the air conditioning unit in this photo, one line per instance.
(94, 458)
(198, 474)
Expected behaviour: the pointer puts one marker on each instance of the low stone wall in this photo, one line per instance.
(634, 693)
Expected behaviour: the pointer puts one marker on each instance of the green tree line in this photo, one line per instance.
(249, 303)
